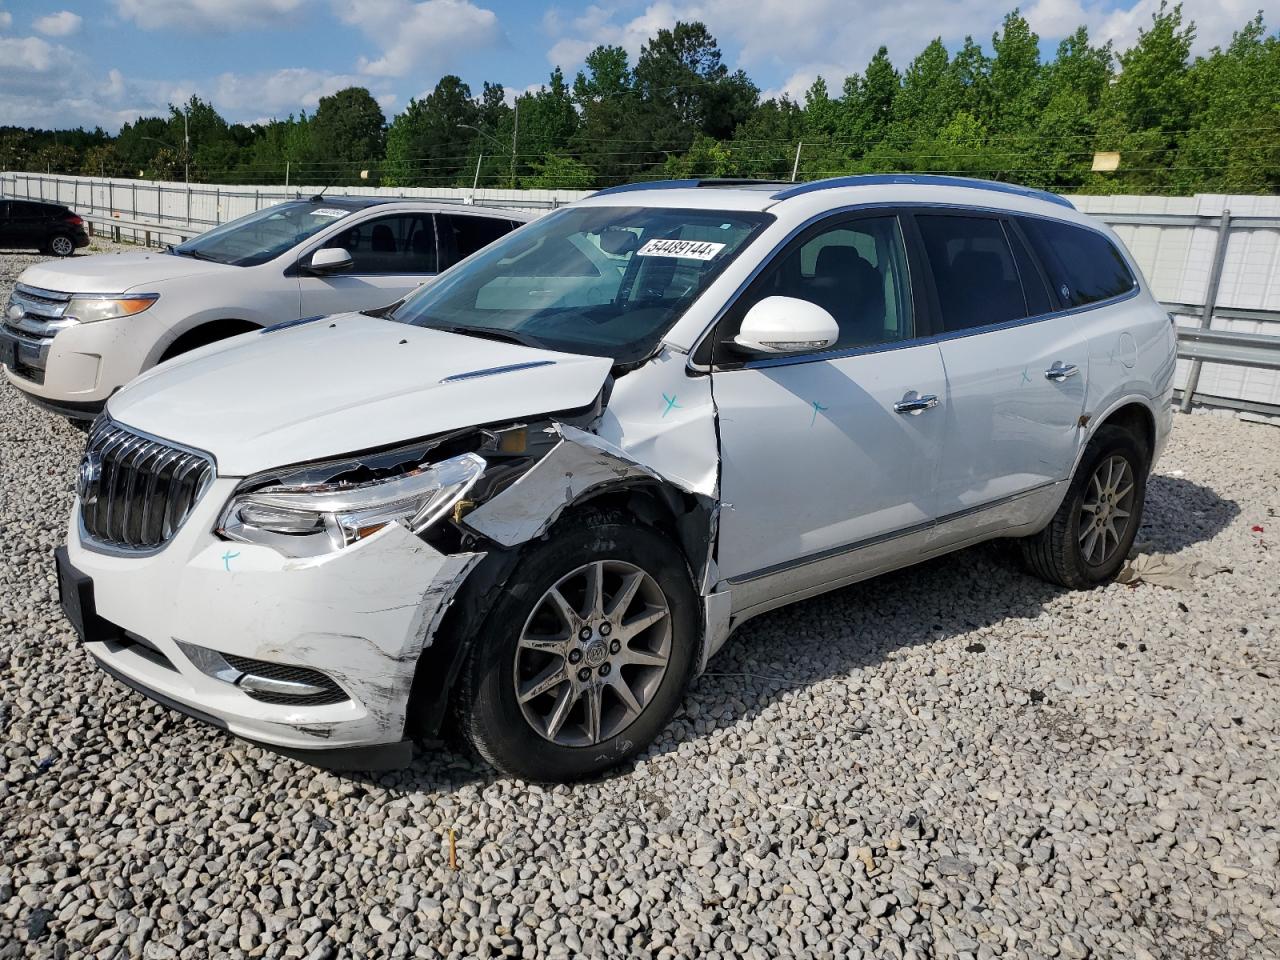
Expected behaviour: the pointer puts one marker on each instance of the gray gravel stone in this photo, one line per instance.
(850, 779)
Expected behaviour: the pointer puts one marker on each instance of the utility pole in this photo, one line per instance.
(286, 175)
(186, 145)
(515, 129)
(476, 181)
(795, 167)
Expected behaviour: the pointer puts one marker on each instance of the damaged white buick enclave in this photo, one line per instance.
(538, 494)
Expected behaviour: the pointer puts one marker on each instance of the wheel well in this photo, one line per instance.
(1137, 420)
(651, 503)
(206, 334)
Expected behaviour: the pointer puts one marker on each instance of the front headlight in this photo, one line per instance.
(305, 520)
(92, 309)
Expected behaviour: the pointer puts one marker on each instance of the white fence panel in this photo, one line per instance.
(1176, 257)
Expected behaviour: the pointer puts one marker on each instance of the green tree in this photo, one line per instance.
(427, 145)
(348, 133)
(558, 172)
(1147, 107)
(867, 104)
(685, 89)
(606, 99)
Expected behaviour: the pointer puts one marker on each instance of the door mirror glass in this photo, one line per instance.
(330, 260)
(786, 325)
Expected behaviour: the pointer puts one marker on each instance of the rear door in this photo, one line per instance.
(26, 224)
(1015, 370)
(392, 255)
(462, 234)
(7, 237)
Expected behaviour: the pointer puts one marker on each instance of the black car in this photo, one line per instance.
(47, 227)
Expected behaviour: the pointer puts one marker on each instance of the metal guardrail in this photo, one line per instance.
(114, 225)
(1225, 346)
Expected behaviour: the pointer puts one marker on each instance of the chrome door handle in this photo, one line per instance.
(915, 404)
(1060, 371)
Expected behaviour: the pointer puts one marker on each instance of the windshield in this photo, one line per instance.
(264, 235)
(606, 281)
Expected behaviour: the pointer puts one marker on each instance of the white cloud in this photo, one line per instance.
(804, 38)
(60, 24)
(23, 56)
(196, 15)
(428, 36)
(6, 19)
(273, 93)
(1215, 23)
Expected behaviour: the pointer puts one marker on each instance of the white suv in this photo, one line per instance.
(77, 330)
(542, 491)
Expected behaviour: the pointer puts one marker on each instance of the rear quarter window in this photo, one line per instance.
(1083, 265)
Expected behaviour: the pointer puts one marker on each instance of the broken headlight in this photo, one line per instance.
(302, 517)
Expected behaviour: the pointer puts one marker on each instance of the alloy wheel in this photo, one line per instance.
(593, 653)
(62, 246)
(1107, 510)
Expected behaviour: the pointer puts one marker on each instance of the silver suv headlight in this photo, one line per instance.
(305, 519)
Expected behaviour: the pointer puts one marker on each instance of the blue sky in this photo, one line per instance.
(64, 62)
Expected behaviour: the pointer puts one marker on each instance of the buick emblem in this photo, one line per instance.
(87, 479)
(15, 311)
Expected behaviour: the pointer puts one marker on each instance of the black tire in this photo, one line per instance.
(489, 715)
(60, 245)
(1055, 553)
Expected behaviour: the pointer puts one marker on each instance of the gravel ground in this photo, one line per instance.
(951, 761)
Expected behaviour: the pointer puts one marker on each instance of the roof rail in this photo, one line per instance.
(689, 182)
(646, 185)
(929, 179)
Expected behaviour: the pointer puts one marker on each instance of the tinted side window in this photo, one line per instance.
(856, 271)
(1031, 275)
(401, 243)
(973, 270)
(468, 234)
(1083, 265)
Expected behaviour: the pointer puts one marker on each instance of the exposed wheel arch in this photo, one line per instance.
(205, 334)
(648, 503)
(1137, 419)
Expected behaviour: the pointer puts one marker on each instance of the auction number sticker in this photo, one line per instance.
(685, 249)
(329, 212)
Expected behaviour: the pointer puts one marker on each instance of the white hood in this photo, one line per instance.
(115, 272)
(342, 384)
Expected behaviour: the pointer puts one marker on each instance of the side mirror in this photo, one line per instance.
(786, 325)
(329, 260)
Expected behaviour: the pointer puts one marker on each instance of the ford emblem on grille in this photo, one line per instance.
(88, 477)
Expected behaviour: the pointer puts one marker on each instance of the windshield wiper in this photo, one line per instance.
(489, 333)
(193, 254)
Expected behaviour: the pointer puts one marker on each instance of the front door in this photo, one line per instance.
(827, 454)
(391, 256)
(1015, 383)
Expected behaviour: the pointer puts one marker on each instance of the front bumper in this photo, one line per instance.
(80, 366)
(361, 616)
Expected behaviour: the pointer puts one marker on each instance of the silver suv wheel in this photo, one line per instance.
(593, 653)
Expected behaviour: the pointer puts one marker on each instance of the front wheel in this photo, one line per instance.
(62, 246)
(585, 656)
(1089, 537)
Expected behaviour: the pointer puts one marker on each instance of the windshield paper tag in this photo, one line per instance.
(328, 212)
(685, 249)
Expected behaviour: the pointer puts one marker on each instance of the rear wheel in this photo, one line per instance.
(1094, 528)
(584, 658)
(60, 245)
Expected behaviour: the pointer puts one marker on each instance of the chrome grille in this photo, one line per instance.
(135, 490)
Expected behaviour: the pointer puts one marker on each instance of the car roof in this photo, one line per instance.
(836, 191)
(363, 202)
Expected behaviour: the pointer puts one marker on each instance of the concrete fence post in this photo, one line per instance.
(1210, 302)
